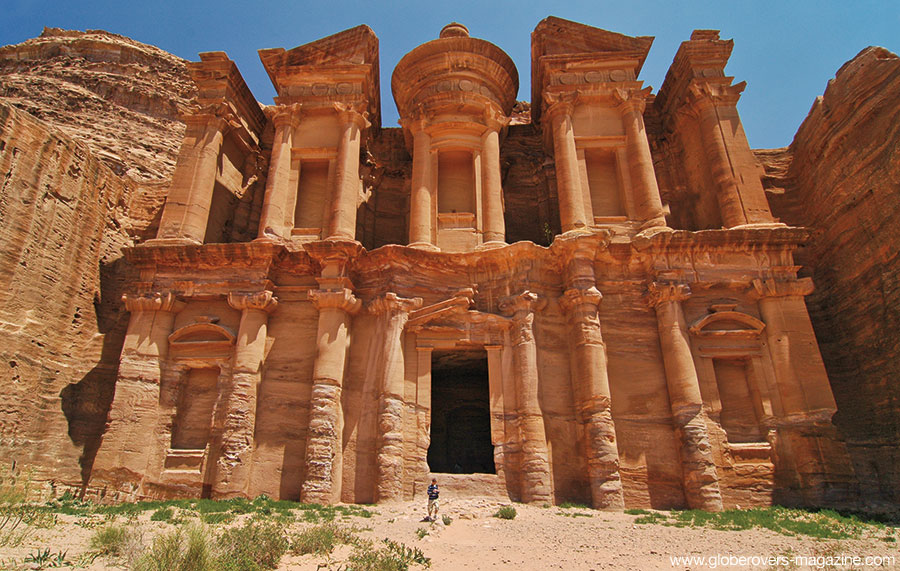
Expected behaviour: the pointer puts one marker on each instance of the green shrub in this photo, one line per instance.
(188, 549)
(110, 540)
(255, 545)
(446, 519)
(506, 512)
(213, 518)
(320, 539)
(636, 511)
(162, 514)
(421, 532)
(392, 557)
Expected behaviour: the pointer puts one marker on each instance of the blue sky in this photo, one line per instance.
(785, 50)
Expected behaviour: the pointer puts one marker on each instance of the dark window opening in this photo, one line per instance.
(460, 414)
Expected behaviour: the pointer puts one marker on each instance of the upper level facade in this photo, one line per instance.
(469, 168)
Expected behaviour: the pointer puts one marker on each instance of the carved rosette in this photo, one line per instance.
(260, 301)
(154, 301)
(342, 299)
(659, 293)
(776, 288)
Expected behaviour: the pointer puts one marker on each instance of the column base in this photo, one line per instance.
(157, 242)
(758, 225)
(428, 246)
(491, 245)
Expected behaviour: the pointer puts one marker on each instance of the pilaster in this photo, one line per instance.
(701, 481)
(234, 464)
(536, 480)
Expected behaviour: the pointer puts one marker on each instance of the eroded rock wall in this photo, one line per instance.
(60, 278)
(841, 177)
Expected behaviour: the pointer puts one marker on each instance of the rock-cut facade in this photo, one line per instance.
(586, 299)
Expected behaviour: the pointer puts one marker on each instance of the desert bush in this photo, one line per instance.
(163, 514)
(506, 512)
(446, 519)
(392, 557)
(182, 549)
(320, 539)
(110, 540)
(255, 545)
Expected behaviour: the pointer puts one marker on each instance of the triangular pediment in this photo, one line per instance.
(356, 46)
(556, 36)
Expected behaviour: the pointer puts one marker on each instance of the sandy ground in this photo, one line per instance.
(538, 538)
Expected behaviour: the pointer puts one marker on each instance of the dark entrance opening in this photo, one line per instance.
(460, 414)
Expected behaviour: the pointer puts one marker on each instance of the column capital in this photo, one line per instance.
(574, 298)
(560, 103)
(704, 93)
(288, 114)
(342, 299)
(153, 301)
(631, 99)
(219, 116)
(391, 303)
(263, 300)
(348, 113)
(770, 287)
(527, 302)
(494, 118)
(659, 293)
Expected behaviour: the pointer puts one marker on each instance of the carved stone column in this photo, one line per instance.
(124, 453)
(393, 311)
(186, 212)
(277, 218)
(342, 223)
(233, 466)
(804, 426)
(704, 103)
(421, 200)
(568, 184)
(701, 481)
(323, 443)
(590, 385)
(536, 483)
(647, 202)
(492, 191)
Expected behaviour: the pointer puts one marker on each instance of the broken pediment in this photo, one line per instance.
(727, 323)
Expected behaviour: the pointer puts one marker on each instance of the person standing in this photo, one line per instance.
(433, 494)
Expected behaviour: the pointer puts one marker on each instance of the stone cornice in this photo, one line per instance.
(762, 288)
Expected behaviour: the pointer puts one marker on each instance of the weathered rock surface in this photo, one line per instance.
(120, 97)
(840, 178)
(78, 186)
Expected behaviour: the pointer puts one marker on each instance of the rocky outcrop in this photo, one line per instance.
(89, 133)
(60, 282)
(840, 178)
(120, 97)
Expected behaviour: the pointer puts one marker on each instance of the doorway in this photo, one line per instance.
(460, 413)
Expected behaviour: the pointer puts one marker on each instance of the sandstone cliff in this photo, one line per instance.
(840, 178)
(76, 187)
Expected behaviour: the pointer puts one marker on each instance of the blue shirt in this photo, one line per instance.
(433, 492)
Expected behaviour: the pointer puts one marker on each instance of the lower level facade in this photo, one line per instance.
(665, 369)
